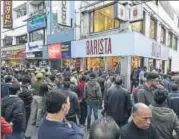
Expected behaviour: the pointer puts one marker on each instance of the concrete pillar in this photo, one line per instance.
(166, 38)
(147, 24)
(126, 71)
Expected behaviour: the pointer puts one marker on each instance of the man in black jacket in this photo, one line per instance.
(75, 105)
(140, 127)
(118, 103)
(173, 98)
(14, 112)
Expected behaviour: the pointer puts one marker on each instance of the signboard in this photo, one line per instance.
(13, 54)
(136, 13)
(36, 23)
(54, 51)
(64, 13)
(7, 17)
(120, 12)
(99, 46)
(66, 50)
(156, 50)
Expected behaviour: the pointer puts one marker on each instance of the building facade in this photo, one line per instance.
(13, 39)
(126, 35)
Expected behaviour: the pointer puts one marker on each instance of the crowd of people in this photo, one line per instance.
(48, 104)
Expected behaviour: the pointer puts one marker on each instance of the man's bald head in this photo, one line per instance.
(105, 128)
(140, 108)
(141, 115)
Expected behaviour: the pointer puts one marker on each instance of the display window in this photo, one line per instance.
(135, 62)
(95, 62)
(137, 26)
(103, 19)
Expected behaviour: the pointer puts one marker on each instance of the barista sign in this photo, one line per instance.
(102, 46)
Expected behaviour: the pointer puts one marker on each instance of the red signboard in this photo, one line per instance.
(54, 51)
(7, 17)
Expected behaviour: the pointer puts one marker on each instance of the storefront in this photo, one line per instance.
(127, 50)
(59, 55)
(13, 55)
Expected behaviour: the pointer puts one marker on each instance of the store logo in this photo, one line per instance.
(99, 46)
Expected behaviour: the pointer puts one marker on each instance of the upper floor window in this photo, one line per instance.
(21, 39)
(174, 42)
(20, 11)
(162, 35)
(153, 28)
(7, 41)
(37, 35)
(169, 40)
(103, 19)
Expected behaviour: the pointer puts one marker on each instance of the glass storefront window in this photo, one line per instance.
(162, 35)
(103, 19)
(169, 40)
(174, 41)
(153, 28)
(37, 35)
(137, 26)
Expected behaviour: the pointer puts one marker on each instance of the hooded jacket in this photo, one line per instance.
(165, 121)
(93, 91)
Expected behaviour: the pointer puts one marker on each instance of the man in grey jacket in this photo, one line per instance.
(146, 90)
(93, 95)
(164, 119)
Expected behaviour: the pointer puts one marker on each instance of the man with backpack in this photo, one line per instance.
(93, 97)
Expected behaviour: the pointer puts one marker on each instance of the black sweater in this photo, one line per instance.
(12, 109)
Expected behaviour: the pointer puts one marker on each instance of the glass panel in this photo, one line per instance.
(21, 39)
(162, 36)
(37, 35)
(104, 19)
(137, 26)
(152, 29)
(91, 22)
(169, 40)
(174, 41)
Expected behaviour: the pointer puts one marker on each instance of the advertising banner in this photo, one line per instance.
(66, 50)
(54, 51)
(7, 16)
(36, 23)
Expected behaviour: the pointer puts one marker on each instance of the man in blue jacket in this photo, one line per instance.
(54, 125)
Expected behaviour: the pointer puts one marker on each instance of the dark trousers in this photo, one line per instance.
(92, 106)
(133, 84)
(83, 111)
(72, 118)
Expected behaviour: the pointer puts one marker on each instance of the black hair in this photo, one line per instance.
(43, 89)
(83, 78)
(26, 80)
(118, 80)
(8, 79)
(54, 101)
(52, 78)
(152, 76)
(66, 82)
(14, 88)
(160, 95)
(92, 75)
(105, 128)
(174, 87)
